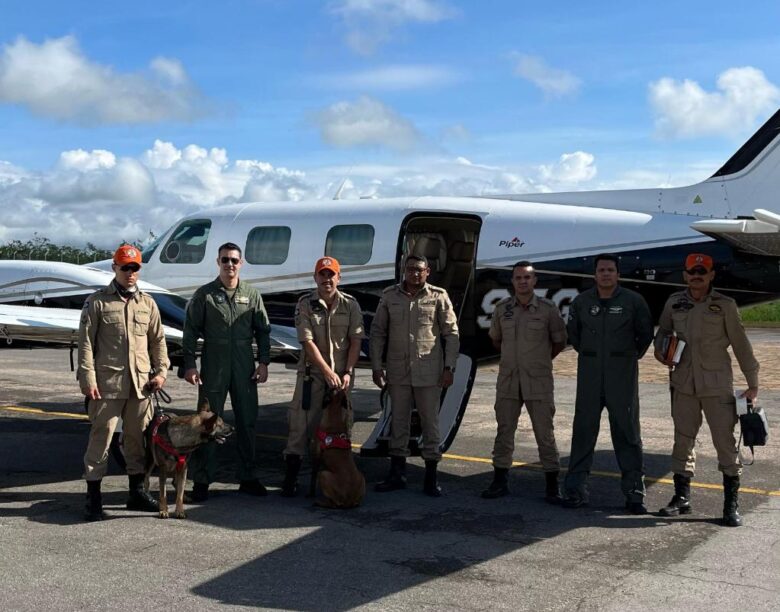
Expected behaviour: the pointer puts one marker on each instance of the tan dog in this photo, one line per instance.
(342, 485)
(170, 440)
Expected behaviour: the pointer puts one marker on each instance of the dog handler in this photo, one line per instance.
(702, 382)
(330, 329)
(227, 313)
(411, 320)
(121, 341)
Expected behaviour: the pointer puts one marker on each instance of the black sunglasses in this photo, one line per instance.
(133, 267)
(233, 260)
(697, 271)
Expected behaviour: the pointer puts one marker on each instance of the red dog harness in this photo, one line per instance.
(333, 440)
(181, 459)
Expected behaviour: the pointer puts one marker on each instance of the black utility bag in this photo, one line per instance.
(754, 427)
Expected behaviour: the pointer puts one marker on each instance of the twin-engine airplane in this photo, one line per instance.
(472, 243)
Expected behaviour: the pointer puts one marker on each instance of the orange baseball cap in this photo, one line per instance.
(698, 259)
(327, 263)
(126, 254)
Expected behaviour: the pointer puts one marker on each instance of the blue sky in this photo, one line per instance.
(119, 118)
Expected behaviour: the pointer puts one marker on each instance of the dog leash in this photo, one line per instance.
(157, 395)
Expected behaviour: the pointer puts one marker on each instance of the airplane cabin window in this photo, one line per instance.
(267, 245)
(187, 244)
(350, 244)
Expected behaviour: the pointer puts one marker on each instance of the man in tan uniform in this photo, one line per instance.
(121, 343)
(702, 382)
(411, 319)
(330, 329)
(529, 332)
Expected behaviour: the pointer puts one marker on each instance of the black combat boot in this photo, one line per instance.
(681, 502)
(431, 486)
(140, 499)
(552, 494)
(731, 517)
(499, 487)
(94, 508)
(396, 477)
(290, 484)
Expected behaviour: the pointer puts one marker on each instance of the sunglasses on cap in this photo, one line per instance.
(233, 260)
(131, 267)
(697, 271)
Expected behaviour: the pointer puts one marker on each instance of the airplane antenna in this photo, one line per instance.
(337, 196)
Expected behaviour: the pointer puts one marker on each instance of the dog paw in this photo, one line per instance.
(163, 514)
(181, 515)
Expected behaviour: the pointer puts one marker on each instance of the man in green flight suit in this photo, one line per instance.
(227, 314)
(611, 328)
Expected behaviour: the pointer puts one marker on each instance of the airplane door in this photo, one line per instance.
(449, 242)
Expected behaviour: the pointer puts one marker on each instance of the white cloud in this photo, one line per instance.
(371, 23)
(571, 168)
(554, 82)
(366, 122)
(79, 159)
(95, 196)
(393, 78)
(684, 109)
(54, 79)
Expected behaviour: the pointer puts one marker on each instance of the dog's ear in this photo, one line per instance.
(203, 404)
(210, 421)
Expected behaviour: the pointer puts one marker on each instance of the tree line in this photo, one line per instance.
(40, 247)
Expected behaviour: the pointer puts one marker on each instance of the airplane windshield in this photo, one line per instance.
(149, 249)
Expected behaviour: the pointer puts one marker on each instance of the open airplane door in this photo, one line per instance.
(449, 242)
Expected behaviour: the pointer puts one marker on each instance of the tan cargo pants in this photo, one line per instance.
(104, 415)
(721, 416)
(426, 400)
(541, 413)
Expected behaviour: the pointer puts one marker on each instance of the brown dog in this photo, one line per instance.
(342, 485)
(170, 440)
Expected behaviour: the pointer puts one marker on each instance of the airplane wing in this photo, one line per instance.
(61, 326)
(50, 325)
(760, 236)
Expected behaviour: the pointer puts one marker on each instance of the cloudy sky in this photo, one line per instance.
(118, 118)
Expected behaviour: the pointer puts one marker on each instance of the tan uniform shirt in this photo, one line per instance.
(526, 334)
(119, 344)
(411, 328)
(331, 330)
(708, 328)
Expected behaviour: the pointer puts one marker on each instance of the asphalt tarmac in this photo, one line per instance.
(398, 551)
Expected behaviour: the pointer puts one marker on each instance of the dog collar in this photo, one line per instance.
(333, 440)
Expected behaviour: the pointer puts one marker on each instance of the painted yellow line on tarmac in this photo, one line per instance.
(70, 415)
(453, 457)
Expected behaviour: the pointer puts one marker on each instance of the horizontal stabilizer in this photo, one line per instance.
(760, 236)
